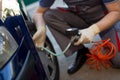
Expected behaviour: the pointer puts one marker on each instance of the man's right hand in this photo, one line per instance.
(40, 35)
(39, 38)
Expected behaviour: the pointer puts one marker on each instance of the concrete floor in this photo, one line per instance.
(84, 73)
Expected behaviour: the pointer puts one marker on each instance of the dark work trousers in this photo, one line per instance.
(58, 21)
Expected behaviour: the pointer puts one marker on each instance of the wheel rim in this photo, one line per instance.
(49, 62)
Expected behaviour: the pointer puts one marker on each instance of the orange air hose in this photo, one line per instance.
(101, 53)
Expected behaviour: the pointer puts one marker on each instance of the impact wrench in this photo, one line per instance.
(70, 32)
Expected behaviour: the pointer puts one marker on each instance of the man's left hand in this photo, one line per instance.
(87, 34)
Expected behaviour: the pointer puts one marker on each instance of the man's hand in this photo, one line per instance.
(87, 34)
(39, 38)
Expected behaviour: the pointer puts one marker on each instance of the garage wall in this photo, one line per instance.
(27, 2)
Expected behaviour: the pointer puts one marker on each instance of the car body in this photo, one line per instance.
(19, 58)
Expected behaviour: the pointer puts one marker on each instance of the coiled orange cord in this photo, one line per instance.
(101, 53)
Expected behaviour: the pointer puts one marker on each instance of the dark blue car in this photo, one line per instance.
(19, 59)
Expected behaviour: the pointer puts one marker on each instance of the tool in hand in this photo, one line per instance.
(72, 32)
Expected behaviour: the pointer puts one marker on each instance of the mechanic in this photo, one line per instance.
(90, 16)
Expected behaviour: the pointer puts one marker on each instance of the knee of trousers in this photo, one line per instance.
(49, 16)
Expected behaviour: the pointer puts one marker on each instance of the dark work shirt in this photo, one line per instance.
(48, 3)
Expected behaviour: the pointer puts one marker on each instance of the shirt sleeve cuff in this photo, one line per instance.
(109, 1)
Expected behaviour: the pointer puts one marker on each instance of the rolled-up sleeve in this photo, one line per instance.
(109, 1)
(46, 3)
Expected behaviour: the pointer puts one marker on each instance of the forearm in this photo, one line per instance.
(39, 37)
(112, 17)
(105, 23)
(109, 20)
(39, 21)
(38, 18)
